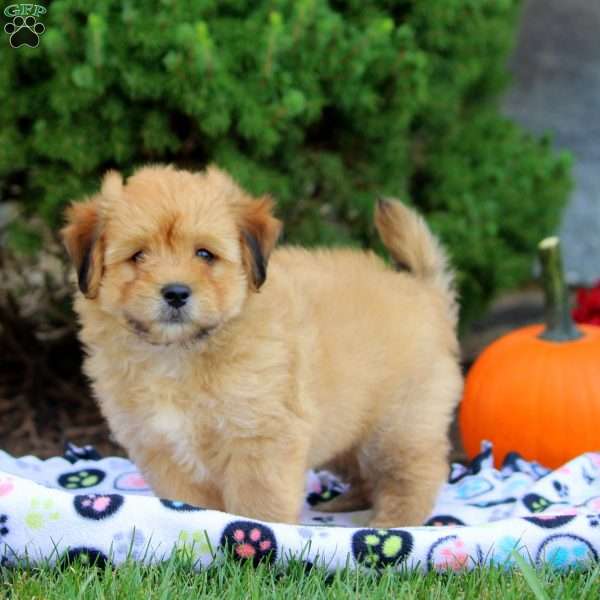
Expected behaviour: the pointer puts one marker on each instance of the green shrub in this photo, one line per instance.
(325, 104)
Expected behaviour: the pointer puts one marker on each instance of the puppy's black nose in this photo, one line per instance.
(176, 294)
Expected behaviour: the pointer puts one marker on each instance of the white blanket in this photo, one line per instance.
(101, 509)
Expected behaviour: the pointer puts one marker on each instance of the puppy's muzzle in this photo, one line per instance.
(176, 294)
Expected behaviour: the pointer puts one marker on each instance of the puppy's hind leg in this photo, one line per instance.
(408, 456)
(405, 494)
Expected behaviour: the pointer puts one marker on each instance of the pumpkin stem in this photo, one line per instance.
(559, 324)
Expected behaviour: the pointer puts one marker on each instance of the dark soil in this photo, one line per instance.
(45, 400)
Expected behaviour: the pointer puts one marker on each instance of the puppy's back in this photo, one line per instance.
(363, 332)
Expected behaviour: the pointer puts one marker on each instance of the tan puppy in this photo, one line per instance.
(224, 396)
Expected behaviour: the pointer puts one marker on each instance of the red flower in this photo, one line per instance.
(587, 309)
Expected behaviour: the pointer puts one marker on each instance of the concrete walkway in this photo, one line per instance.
(557, 89)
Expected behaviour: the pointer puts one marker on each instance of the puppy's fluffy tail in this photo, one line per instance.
(414, 248)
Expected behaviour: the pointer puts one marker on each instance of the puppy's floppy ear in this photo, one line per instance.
(83, 235)
(259, 231)
(84, 244)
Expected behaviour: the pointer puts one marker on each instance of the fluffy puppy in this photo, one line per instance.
(224, 396)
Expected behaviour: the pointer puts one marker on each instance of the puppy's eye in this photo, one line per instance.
(205, 255)
(138, 256)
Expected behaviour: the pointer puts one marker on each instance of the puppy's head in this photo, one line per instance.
(171, 255)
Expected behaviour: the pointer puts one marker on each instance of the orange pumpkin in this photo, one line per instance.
(537, 389)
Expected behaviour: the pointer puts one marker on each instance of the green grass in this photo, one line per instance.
(232, 580)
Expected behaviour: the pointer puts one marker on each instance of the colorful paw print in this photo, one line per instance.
(3, 528)
(85, 556)
(81, 479)
(593, 504)
(443, 521)
(6, 486)
(517, 484)
(448, 553)
(536, 503)
(41, 512)
(179, 505)
(550, 521)
(323, 495)
(593, 520)
(502, 554)
(131, 482)
(566, 551)
(307, 533)
(97, 506)
(74, 453)
(250, 541)
(472, 487)
(193, 545)
(381, 547)
(128, 544)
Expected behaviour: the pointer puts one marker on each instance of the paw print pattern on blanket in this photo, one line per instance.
(81, 479)
(593, 520)
(448, 553)
(3, 528)
(536, 503)
(443, 521)
(179, 505)
(41, 512)
(307, 533)
(503, 550)
(250, 541)
(6, 486)
(558, 532)
(550, 521)
(85, 556)
(381, 547)
(193, 545)
(566, 551)
(131, 482)
(128, 545)
(561, 489)
(472, 487)
(593, 503)
(324, 493)
(97, 506)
